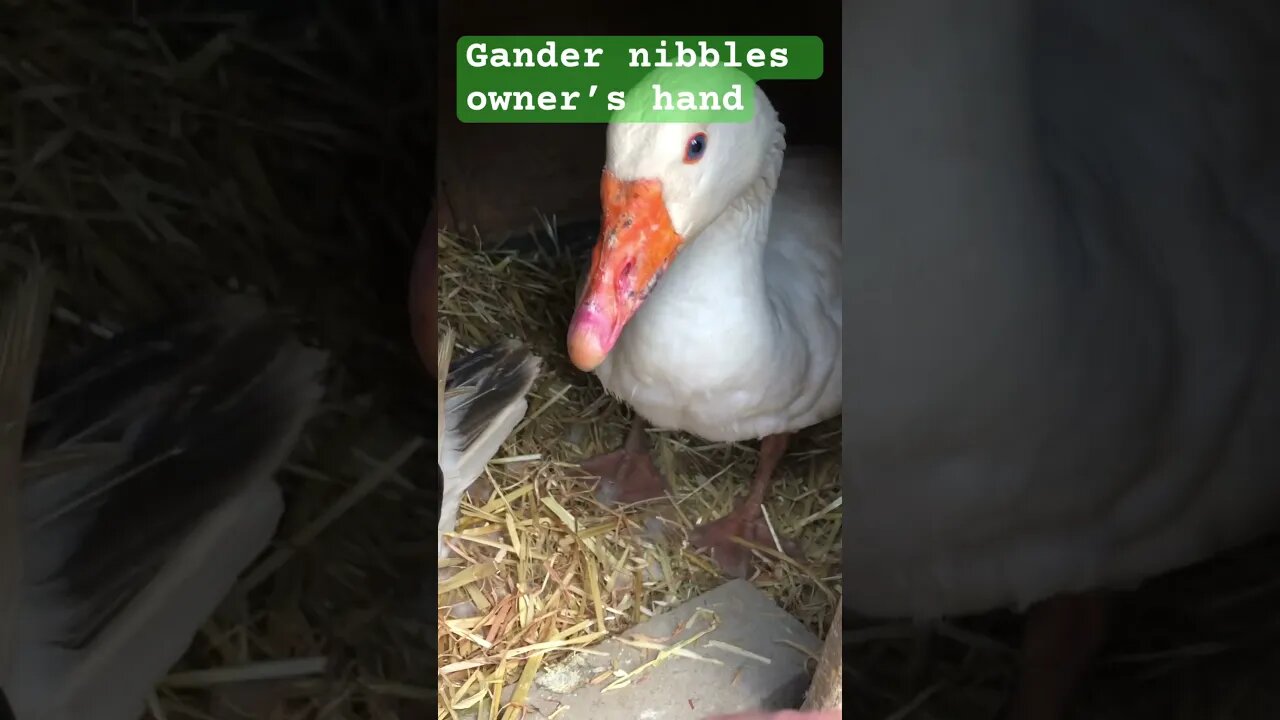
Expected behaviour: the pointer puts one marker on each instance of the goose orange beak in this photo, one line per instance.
(637, 242)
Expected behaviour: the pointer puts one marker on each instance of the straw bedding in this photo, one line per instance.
(547, 568)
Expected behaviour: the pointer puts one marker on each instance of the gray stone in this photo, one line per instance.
(755, 645)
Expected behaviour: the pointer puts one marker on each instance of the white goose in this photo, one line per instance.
(741, 337)
(1065, 300)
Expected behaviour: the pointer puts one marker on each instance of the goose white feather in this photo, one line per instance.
(484, 398)
(146, 488)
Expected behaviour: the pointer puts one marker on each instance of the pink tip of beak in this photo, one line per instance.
(591, 337)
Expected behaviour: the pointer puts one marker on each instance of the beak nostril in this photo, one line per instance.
(625, 276)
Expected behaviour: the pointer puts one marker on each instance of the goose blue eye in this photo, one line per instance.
(696, 146)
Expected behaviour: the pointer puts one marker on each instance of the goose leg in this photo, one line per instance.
(1062, 637)
(627, 475)
(745, 521)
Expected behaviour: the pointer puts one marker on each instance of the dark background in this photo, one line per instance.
(493, 179)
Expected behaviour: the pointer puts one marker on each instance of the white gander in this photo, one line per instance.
(1062, 302)
(741, 337)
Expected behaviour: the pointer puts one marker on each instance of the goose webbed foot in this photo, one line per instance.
(627, 475)
(717, 538)
(747, 521)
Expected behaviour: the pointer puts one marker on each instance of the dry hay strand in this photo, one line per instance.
(541, 568)
(150, 156)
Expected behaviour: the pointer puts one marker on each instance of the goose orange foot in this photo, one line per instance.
(627, 475)
(719, 538)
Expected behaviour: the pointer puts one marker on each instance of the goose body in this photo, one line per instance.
(713, 301)
(729, 324)
(1065, 305)
(1068, 374)
(146, 488)
(741, 336)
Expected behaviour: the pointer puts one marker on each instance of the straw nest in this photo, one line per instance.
(151, 156)
(544, 569)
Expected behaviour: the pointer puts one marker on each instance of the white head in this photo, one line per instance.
(702, 167)
(663, 184)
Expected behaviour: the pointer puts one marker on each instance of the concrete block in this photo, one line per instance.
(753, 661)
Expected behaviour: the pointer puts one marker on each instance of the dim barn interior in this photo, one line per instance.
(522, 206)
